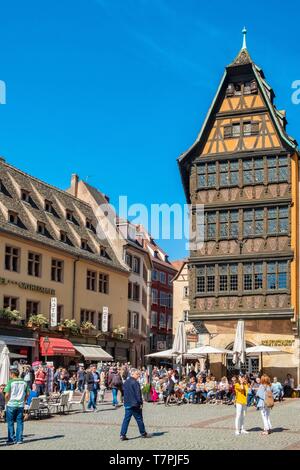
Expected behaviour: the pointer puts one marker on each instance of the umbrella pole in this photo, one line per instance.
(261, 362)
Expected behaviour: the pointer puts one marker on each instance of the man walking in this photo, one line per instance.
(81, 379)
(93, 380)
(133, 403)
(40, 380)
(16, 393)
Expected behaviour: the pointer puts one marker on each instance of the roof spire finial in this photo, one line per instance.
(244, 38)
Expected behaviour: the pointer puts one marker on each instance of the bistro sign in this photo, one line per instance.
(279, 342)
(24, 285)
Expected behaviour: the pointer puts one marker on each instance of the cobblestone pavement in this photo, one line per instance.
(184, 427)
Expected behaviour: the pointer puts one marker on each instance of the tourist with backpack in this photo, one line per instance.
(115, 383)
(265, 402)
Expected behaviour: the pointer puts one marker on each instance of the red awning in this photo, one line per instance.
(56, 347)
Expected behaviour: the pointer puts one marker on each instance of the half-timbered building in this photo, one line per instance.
(243, 168)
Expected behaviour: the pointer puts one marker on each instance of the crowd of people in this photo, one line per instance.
(156, 385)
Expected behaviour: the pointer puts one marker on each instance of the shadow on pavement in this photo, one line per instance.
(275, 430)
(153, 434)
(27, 441)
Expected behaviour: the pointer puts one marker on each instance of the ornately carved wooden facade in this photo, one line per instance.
(243, 168)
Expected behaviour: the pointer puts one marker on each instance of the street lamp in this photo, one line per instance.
(46, 346)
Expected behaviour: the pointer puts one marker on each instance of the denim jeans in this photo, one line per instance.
(14, 415)
(93, 399)
(189, 395)
(250, 398)
(81, 385)
(40, 389)
(137, 413)
(62, 386)
(114, 396)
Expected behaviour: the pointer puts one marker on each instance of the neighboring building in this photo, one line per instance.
(49, 249)
(138, 260)
(181, 300)
(161, 300)
(244, 168)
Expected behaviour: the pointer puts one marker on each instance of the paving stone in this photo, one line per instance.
(184, 427)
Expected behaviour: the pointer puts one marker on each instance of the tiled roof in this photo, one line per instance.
(13, 181)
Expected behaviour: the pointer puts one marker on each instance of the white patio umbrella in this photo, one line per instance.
(169, 354)
(204, 350)
(264, 350)
(239, 348)
(180, 342)
(207, 351)
(4, 365)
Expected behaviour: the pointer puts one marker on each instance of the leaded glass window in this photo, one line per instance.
(277, 169)
(248, 277)
(258, 276)
(223, 278)
(211, 225)
(253, 171)
(229, 173)
(253, 222)
(224, 224)
(248, 172)
(207, 175)
(206, 279)
(234, 283)
(277, 275)
(278, 220)
(211, 175)
(201, 280)
(259, 170)
(210, 278)
(282, 275)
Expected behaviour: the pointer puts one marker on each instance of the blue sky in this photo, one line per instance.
(116, 90)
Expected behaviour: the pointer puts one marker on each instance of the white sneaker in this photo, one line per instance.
(237, 433)
(243, 431)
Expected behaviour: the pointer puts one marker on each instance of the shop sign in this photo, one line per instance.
(104, 319)
(26, 286)
(53, 311)
(279, 342)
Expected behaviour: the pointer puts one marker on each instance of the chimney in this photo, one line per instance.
(74, 184)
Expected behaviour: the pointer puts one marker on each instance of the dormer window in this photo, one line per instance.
(63, 237)
(13, 218)
(84, 244)
(48, 206)
(69, 215)
(243, 88)
(25, 196)
(237, 89)
(230, 90)
(41, 228)
(89, 225)
(103, 252)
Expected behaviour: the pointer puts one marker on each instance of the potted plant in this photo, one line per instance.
(119, 331)
(72, 326)
(8, 316)
(37, 321)
(87, 327)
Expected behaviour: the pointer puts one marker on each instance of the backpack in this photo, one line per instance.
(116, 380)
(269, 400)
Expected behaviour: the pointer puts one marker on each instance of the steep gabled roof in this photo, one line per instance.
(243, 64)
